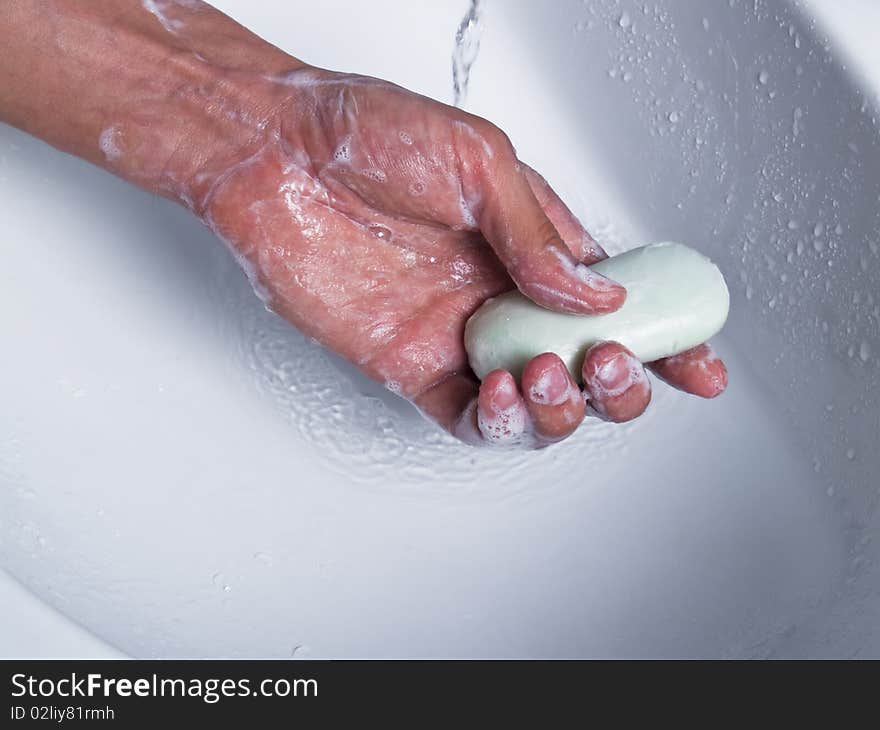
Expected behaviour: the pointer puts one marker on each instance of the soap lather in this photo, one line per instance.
(676, 300)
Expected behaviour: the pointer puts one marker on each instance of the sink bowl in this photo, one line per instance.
(184, 475)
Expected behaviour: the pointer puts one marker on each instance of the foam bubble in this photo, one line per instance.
(467, 215)
(109, 144)
(505, 426)
(376, 174)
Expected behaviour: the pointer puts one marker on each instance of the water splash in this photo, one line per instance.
(467, 47)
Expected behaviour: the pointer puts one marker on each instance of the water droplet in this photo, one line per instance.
(865, 351)
(793, 225)
(705, 24)
(627, 77)
(763, 77)
(819, 229)
(377, 175)
(624, 21)
(380, 232)
(301, 651)
(263, 558)
(673, 117)
(850, 454)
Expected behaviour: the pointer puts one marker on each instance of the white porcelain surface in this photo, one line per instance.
(184, 475)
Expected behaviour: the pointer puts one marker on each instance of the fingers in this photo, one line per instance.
(491, 412)
(698, 371)
(531, 248)
(552, 398)
(581, 244)
(616, 382)
(552, 407)
(501, 412)
(497, 414)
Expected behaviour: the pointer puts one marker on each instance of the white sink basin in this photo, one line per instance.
(182, 474)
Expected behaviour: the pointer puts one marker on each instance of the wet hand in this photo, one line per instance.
(376, 221)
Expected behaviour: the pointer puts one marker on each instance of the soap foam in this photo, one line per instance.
(635, 376)
(540, 387)
(109, 144)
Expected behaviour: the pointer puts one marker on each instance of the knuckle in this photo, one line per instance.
(495, 139)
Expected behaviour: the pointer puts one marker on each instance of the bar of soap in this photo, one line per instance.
(676, 299)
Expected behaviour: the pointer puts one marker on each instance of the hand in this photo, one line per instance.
(377, 221)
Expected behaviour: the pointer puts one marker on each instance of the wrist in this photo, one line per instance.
(199, 99)
(159, 94)
(206, 119)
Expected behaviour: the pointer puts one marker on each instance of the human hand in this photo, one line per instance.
(376, 221)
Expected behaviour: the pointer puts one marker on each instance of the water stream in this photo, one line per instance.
(467, 48)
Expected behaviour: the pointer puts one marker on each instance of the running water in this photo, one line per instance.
(467, 47)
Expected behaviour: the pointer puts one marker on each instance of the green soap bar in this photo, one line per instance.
(676, 299)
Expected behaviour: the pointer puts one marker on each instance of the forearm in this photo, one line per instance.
(153, 91)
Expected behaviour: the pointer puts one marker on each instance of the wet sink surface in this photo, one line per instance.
(183, 474)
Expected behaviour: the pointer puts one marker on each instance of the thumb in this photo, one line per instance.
(531, 249)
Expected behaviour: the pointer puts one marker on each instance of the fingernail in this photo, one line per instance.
(583, 273)
(590, 249)
(505, 395)
(551, 386)
(719, 381)
(595, 280)
(615, 373)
